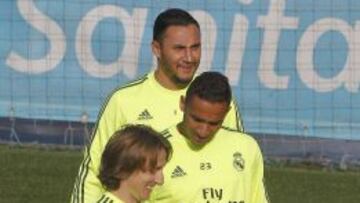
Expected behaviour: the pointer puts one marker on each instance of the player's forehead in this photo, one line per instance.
(206, 111)
(182, 34)
(154, 160)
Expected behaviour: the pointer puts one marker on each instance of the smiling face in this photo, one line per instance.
(140, 184)
(178, 54)
(202, 119)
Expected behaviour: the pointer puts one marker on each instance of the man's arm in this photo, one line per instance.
(233, 118)
(87, 187)
(258, 192)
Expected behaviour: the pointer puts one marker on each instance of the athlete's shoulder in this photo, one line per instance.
(166, 134)
(133, 85)
(172, 134)
(238, 136)
(130, 89)
(108, 197)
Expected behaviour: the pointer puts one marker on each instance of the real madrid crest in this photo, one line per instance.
(239, 162)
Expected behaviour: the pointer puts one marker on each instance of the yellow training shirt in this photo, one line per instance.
(143, 101)
(108, 197)
(228, 169)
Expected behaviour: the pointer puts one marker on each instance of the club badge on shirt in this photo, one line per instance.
(238, 162)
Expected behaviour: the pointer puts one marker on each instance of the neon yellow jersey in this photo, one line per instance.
(227, 169)
(108, 197)
(143, 101)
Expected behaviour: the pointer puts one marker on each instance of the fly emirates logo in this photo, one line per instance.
(211, 195)
(271, 23)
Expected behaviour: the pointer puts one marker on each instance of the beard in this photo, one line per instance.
(181, 81)
(175, 77)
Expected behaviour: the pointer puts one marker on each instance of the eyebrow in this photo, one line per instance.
(196, 45)
(183, 46)
(205, 121)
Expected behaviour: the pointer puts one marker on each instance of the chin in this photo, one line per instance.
(145, 195)
(143, 198)
(200, 144)
(183, 80)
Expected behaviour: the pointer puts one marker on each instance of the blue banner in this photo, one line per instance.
(294, 65)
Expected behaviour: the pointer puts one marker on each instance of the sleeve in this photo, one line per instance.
(233, 118)
(87, 187)
(258, 193)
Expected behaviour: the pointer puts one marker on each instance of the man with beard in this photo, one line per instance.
(151, 100)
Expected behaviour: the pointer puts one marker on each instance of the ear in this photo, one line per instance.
(155, 47)
(182, 103)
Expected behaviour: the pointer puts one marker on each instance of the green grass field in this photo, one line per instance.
(44, 175)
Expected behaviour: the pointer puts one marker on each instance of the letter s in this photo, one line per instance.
(48, 27)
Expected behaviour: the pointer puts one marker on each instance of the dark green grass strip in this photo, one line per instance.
(47, 175)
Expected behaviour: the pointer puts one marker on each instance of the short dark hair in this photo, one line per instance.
(171, 17)
(210, 86)
(133, 148)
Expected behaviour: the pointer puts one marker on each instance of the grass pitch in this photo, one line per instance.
(29, 174)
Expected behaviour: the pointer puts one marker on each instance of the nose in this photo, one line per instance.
(204, 130)
(189, 55)
(159, 177)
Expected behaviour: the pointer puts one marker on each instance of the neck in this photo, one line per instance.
(124, 195)
(193, 146)
(168, 83)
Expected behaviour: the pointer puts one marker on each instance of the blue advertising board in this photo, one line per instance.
(293, 65)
